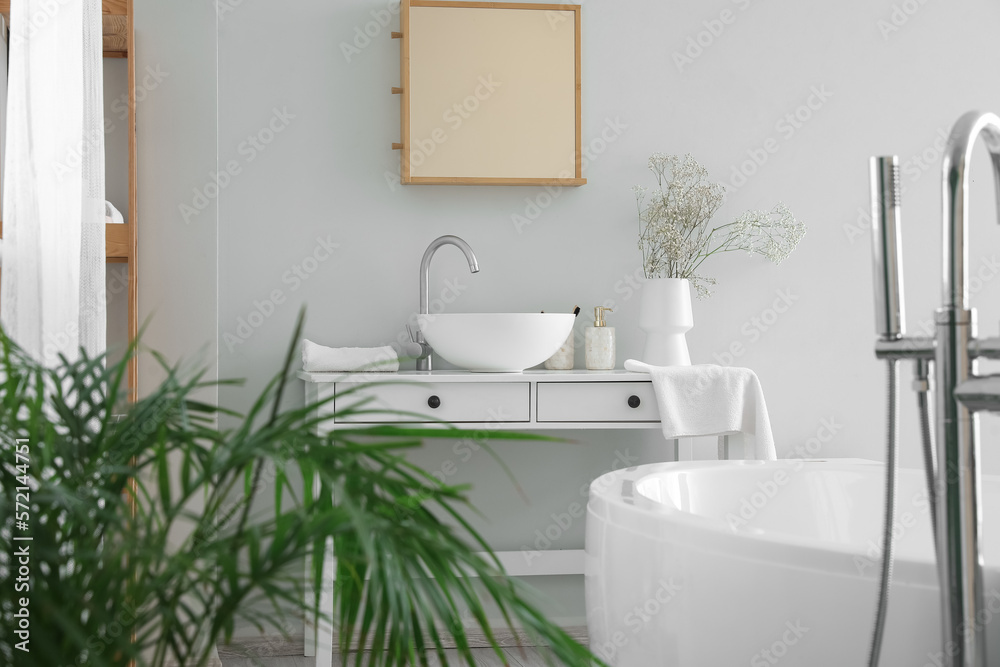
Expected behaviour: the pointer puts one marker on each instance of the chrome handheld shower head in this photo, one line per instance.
(887, 247)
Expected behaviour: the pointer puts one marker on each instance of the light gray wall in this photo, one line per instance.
(116, 191)
(176, 138)
(116, 133)
(891, 83)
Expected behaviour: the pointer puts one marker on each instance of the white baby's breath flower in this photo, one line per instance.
(675, 232)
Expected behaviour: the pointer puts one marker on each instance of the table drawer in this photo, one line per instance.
(450, 401)
(597, 402)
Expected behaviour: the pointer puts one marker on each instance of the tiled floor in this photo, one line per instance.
(484, 658)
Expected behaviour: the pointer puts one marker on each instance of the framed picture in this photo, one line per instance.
(490, 93)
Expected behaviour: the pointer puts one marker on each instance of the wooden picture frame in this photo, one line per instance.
(490, 93)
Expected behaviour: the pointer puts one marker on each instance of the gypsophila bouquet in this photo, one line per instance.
(675, 224)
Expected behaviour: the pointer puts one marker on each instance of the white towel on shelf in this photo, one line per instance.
(112, 215)
(711, 400)
(321, 359)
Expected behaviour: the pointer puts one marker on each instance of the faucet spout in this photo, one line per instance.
(955, 198)
(424, 362)
(958, 501)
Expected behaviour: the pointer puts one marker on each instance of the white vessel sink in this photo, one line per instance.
(496, 342)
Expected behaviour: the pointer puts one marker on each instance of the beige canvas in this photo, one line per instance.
(492, 93)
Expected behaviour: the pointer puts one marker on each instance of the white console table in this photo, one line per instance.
(528, 401)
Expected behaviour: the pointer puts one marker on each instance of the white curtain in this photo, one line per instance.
(52, 288)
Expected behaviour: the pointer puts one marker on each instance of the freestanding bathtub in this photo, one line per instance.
(726, 563)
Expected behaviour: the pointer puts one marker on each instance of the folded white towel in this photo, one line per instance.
(320, 359)
(112, 215)
(711, 400)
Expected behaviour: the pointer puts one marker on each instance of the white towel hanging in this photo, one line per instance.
(711, 400)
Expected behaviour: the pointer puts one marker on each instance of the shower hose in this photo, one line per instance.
(892, 432)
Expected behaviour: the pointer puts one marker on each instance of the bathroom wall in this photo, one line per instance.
(116, 191)
(177, 117)
(781, 100)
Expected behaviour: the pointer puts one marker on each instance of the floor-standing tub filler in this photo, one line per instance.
(952, 462)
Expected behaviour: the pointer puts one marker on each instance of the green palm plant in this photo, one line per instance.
(159, 569)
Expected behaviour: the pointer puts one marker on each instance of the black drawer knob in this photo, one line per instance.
(633, 401)
(434, 402)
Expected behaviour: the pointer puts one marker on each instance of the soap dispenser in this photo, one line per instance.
(600, 343)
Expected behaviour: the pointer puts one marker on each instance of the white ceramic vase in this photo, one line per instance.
(665, 315)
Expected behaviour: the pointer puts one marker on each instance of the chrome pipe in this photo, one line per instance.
(959, 500)
(985, 348)
(955, 198)
(910, 347)
(424, 360)
(922, 347)
(922, 386)
(887, 257)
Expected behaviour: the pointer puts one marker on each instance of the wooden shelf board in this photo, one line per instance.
(115, 26)
(107, 7)
(115, 33)
(116, 242)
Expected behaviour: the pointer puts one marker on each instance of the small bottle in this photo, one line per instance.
(600, 343)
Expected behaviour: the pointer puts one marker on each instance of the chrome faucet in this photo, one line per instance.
(424, 358)
(960, 392)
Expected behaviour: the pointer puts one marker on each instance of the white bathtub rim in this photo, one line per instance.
(757, 545)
